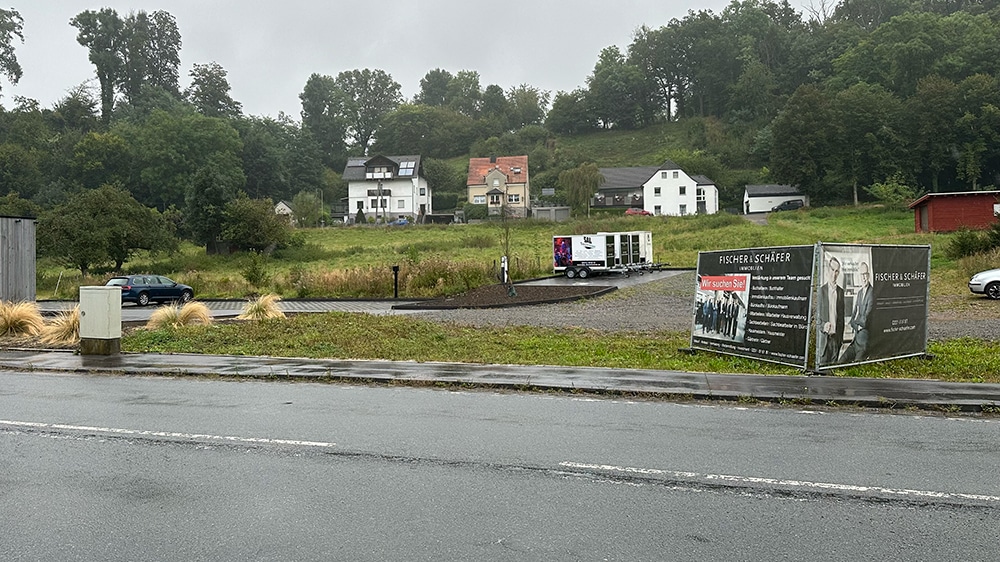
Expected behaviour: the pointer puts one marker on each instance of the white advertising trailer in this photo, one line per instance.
(583, 255)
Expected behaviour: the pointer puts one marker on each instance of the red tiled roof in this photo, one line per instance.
(479, 167)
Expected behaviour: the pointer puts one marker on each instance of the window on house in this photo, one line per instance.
(676, 175)
(423, 192)
(700, 194)
(683, 210)
(496, 182)
(656, 192)
(682, 190)
(377, 172)
(494, 199)
(663, 175)
(478, 199)
(374, 203)
(400, 203)
(406, 168)
(361, 205)
(514, 198)
(656, 210)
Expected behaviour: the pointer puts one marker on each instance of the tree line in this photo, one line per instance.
(848, 103)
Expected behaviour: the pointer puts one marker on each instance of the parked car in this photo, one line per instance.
(634, 211)
(144, 289)
(790, 205)
(986, 283)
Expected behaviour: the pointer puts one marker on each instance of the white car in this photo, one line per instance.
(986, 283)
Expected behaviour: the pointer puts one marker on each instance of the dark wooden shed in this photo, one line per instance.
(948, 212)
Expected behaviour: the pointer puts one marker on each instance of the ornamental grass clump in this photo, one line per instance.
(262, 308)
(64, 329)
(20, 319)
(191, 314)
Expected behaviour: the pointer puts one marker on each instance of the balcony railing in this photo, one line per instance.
(617, 201)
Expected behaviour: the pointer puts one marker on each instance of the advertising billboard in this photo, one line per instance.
(872, 303)
(755, 303)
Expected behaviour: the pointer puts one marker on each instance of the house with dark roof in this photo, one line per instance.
(948, 212)
(387, 188)
(762, 198)
(498, 182)
(660, 190)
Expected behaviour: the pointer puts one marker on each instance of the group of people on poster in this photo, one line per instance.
(831, 312)
(719, 314)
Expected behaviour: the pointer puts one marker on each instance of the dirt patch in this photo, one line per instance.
(498, 296)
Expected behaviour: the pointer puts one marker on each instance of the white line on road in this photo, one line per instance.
(801, 484)
(168, 434)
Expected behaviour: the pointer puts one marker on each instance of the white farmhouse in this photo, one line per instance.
(386, 188)
(658, 190)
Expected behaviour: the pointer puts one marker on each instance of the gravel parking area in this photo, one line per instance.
(665, 304)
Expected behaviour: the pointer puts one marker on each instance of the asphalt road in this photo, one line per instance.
(136, 468)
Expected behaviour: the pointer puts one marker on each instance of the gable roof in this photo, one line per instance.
(355, 168)
(928, 196)
(771, 189)
(508, 165)
(624, 178)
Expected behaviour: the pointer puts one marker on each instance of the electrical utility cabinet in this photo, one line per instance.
(100, 320)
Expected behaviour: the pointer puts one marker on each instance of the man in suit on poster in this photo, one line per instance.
(860, 314)
(831, 314)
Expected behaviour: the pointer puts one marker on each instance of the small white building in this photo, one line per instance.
(659, 190)
(386, 188)
(763, 198)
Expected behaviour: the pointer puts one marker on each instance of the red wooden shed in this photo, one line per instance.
(947, 212)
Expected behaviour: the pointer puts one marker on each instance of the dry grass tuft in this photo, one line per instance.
(63, 330)
(191, 314)
(20, 319)
(262, 308)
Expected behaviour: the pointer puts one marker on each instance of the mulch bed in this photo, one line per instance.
(497, 296)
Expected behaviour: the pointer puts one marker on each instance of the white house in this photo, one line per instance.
(660, 190)
(386, 188)
(763, 198)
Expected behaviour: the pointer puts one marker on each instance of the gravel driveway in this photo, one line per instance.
(665, 304)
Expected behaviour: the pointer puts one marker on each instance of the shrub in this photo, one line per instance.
(20, 319)
(255, 270)
(64, 329)
(264, 307)
(966, 243)
(192, 313)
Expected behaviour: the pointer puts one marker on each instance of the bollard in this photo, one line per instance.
(395, 281)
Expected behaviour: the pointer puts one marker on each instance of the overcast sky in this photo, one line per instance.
(270, 49)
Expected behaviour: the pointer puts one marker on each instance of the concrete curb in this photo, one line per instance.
(883, 393)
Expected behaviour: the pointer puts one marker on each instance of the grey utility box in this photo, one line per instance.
(100, 320)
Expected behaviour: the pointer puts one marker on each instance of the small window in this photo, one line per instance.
(683, 210)
(682, 190)
(514, 198)
(401, 203)
(494, 199)
(496, 182)
(663, 175)
(423, 192)
(361, 205)
(656, 192)
(478, 199)
(656, 210)
(374, 203)
(676, 175)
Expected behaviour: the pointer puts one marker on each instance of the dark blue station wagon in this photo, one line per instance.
(143, 289)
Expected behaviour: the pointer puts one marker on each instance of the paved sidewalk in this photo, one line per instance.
(896, 393)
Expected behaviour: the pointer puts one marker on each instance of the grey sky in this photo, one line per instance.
(269, 49)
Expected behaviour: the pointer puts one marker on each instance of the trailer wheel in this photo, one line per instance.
(570, 273)
(583, 273)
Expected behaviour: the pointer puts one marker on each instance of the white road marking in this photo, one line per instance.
(802, 484)
(168, 434)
